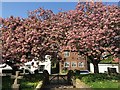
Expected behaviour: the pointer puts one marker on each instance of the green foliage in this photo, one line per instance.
(98, 77)
(6, 83)
(29, 82)
(100, 80)
(107, 60)
(65, 71)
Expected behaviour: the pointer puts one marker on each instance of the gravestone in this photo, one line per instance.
(15, 85)
(112, 71)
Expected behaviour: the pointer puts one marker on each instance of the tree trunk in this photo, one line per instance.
(96, 68)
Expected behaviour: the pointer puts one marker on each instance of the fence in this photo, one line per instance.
(67, 79)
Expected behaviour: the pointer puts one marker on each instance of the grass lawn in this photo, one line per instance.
(101, 80)
(104, 84)
(29, 82)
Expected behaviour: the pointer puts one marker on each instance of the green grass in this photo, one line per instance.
(104, 84)
(100, 80)
(29, 82)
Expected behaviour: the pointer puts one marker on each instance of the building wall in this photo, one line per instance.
(73, 58)
(103, 67)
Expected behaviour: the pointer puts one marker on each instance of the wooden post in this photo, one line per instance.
(69, 76)
(15, 85)
(46, 77)
(58, 78)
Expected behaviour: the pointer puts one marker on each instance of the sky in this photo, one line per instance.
(21, 8)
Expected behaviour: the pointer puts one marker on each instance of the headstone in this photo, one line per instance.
(16, 77)
(112, 71)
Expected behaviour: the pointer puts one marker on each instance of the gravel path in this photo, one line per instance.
(59, 86)
(79, 86)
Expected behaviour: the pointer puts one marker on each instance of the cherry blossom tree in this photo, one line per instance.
(24, 39)
(91, 29)
(21, 38)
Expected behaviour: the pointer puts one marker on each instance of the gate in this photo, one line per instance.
(59, 79)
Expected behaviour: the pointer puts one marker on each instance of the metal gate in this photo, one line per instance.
(59, 79)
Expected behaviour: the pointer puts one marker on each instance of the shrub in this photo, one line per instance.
(98, 77)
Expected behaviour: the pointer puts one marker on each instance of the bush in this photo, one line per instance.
(77, 72)
(7, 82)
(29, 82)
(98, 77)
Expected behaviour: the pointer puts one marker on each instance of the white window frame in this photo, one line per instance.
(67, 63)
(74, 63)
(82, 64)
(66, 53)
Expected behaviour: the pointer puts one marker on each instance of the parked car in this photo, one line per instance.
(84, 72)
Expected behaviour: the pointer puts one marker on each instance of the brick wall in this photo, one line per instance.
(71, 60)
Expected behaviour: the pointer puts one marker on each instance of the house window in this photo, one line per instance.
(81, 64)
(66, 64)
(66, 54)
(74, 64)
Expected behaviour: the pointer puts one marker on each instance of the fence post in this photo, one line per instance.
(69, 76)
(46, 77)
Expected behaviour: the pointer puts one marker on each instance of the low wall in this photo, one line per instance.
(103, 67)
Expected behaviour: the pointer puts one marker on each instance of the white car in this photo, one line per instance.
(84, 72)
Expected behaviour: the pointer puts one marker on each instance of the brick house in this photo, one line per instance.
(72, 60)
